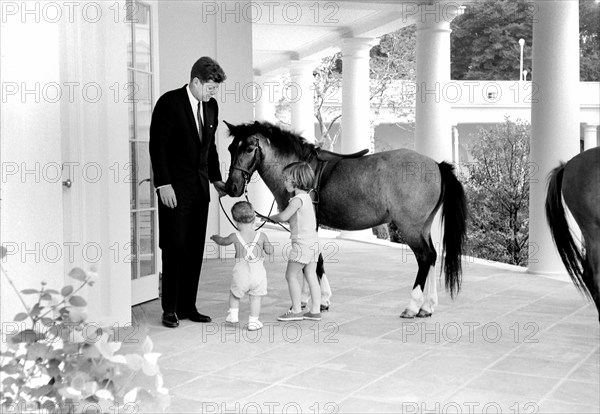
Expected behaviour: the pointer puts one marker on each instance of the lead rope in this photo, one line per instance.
(265, 218)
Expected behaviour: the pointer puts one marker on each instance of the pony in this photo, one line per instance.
(578, 181)
(360, 192)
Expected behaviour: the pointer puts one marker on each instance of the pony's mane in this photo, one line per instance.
(284, 141)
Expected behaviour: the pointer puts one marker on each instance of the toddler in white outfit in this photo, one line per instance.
(249, 273)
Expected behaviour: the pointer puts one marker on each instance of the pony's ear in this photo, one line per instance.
(231, 127)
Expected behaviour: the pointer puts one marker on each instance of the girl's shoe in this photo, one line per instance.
(290, 316)
(312, 316)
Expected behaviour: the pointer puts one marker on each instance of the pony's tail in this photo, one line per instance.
(570, 254)
(320, 267)
(454, 216)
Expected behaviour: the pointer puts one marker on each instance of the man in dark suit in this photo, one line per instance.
(184, 159)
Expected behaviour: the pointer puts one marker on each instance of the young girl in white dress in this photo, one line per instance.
(300, 214)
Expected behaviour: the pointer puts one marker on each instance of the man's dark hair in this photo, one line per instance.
(207, 70)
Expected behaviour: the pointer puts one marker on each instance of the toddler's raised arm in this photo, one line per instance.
(223, 241)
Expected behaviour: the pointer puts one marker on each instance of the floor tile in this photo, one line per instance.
(283, 398)
(263, 370)
(575, 392)
(216, 390)
(519, 386)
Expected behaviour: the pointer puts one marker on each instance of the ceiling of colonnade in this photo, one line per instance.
(284, 31)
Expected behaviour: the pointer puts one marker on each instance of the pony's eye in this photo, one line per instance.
(249, 150)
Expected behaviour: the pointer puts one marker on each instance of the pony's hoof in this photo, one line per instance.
(424, 314)
(407, 314)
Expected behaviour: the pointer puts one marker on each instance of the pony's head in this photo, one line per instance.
(247, 150)
(246, 156)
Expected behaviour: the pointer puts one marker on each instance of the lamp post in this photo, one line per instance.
(522, 43)
(525, 74)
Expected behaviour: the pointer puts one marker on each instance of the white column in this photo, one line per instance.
(264, 110)
(433, 128)
(265, 98)
(554, 117)
(432, 112)
(232, 40)
(590, 136)
(356, 105)
(301, 94)
(356, 108)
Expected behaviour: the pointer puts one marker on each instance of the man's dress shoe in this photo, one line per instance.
(169, 319)
(197, 317)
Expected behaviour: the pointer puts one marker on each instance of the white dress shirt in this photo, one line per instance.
(195, 108)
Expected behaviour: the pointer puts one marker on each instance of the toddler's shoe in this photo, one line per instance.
(312, 316)
(290, 316)
(254, 325)
(232, 317)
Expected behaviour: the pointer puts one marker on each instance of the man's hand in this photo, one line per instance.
(167, 196)
(220, 187)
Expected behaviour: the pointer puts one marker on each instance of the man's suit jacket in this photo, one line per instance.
(178, 158)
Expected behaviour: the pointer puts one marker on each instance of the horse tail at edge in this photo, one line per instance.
(556, 218)
(454, 216)
(320, 267)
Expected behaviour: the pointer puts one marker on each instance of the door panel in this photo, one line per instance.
(144, 214)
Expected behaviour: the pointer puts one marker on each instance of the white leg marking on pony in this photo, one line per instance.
(325, 291)
(416, 300)
(431, 297)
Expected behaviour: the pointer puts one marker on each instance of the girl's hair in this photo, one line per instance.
(243, 212)
(301, 173)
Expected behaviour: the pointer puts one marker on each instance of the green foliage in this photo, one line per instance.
(394, 60)
(484, 40)
(589, 40)
(497, 187)
(52, 360)
(327, 86)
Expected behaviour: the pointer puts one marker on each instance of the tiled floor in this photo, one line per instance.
(510, 342)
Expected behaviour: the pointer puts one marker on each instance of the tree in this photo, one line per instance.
(327, 84)
(484, 40)
(393, 59)
(497, 186)
(589, 40)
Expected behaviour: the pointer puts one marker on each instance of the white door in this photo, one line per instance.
(31, 206)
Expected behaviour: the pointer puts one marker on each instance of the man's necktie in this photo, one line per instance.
(199, 120)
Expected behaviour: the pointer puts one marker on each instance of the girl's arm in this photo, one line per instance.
(223, 241)
(285, 215)
(266, 245)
